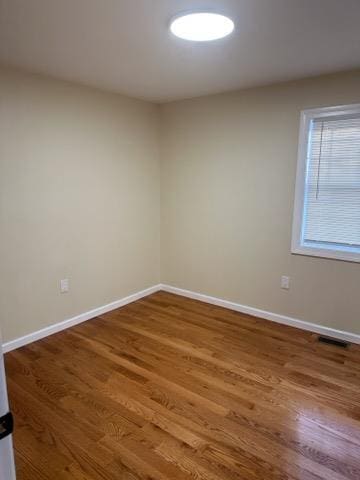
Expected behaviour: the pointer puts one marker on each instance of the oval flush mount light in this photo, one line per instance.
(201, 26)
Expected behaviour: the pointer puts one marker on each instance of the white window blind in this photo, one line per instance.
(332, 193)
(327, 199)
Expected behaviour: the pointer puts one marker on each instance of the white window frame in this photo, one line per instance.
(350, 254)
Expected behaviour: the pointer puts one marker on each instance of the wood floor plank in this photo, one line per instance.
(173, 388)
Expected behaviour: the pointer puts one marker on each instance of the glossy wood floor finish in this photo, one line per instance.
(172, 388)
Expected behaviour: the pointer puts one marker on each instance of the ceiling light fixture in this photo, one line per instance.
(201, 26)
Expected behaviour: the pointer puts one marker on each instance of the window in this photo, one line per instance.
(327, 198)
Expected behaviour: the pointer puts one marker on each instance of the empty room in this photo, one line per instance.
(179, 240)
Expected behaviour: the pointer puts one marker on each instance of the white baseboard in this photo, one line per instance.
(58, 327)
(274, 317)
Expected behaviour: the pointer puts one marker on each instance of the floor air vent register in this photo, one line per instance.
(333, 341)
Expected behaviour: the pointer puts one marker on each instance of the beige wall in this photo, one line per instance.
(80, 191)
(228, 177)
(79, 199)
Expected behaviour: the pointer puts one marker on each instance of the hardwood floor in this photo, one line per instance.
(172, 388)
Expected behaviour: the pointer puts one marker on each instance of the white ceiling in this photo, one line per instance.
(125, 45)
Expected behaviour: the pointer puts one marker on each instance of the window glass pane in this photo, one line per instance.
(332, 189)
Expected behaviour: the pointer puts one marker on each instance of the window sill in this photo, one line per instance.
(329, 253)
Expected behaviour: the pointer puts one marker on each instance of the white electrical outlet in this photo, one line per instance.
(64, 285)
(285, 282)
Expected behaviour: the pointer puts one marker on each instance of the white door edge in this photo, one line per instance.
(7, 463)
